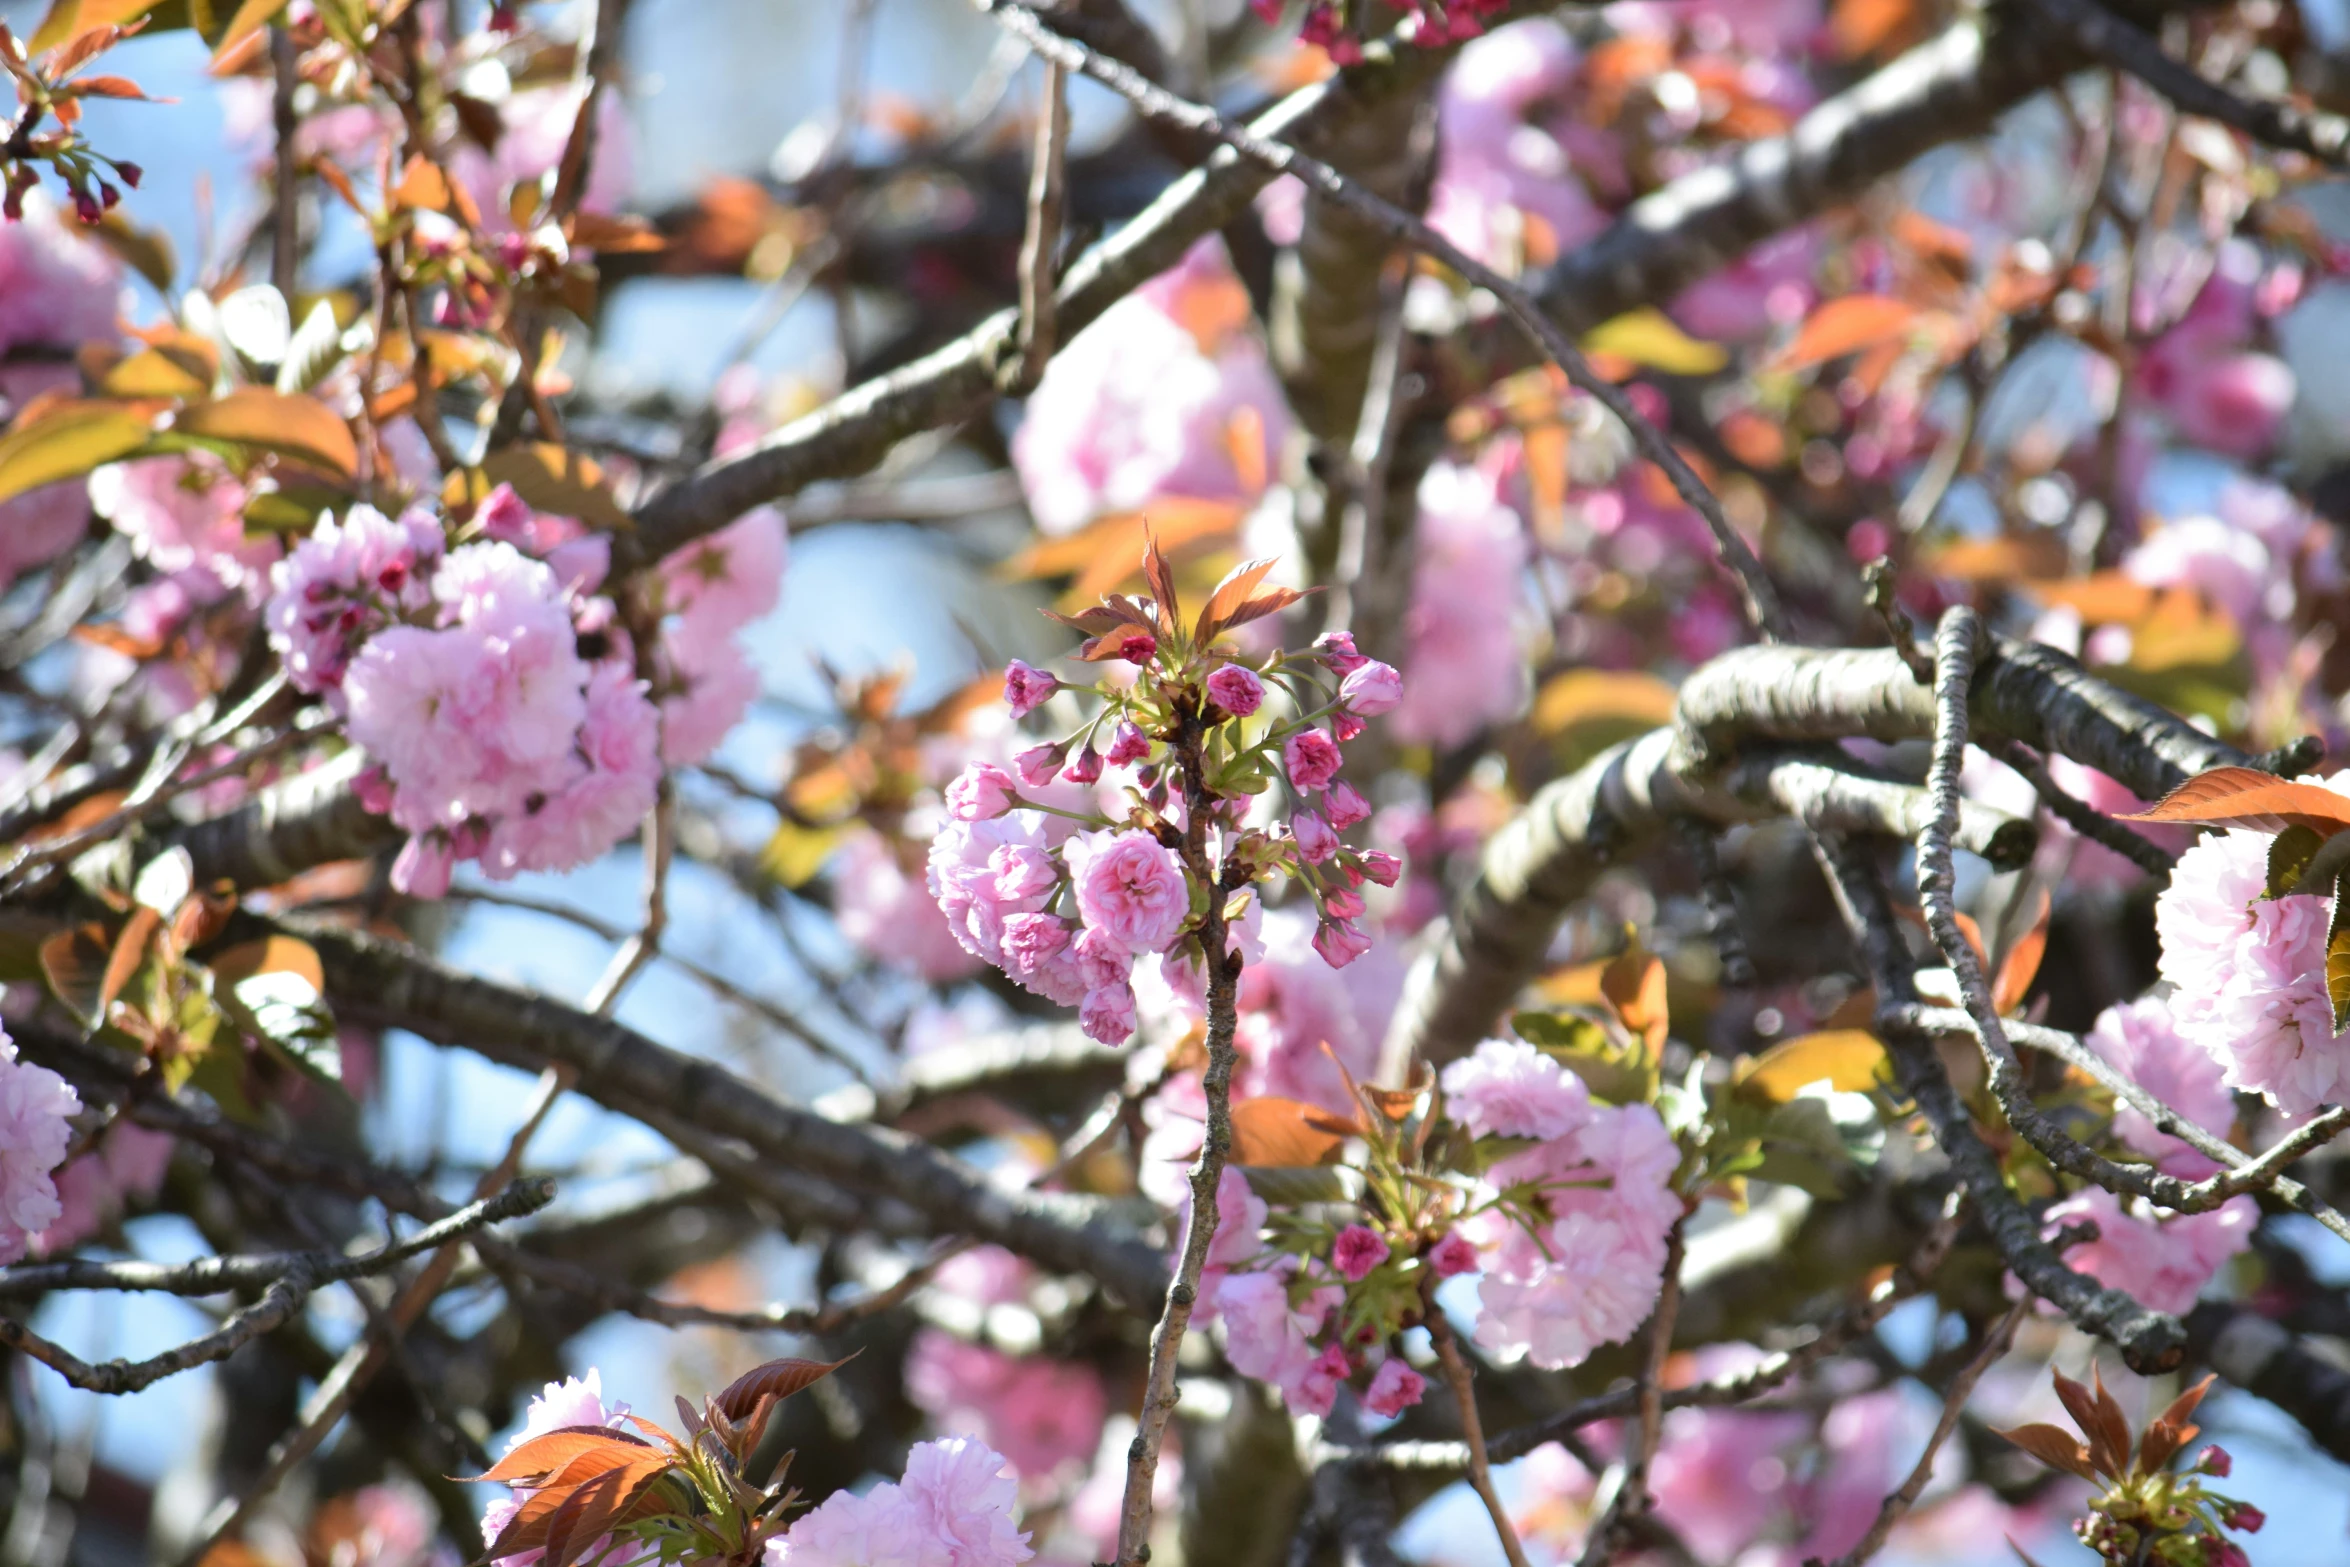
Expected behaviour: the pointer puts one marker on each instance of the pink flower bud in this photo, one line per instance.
(131, 174)
(1086, 768)
(1453, 1255)
(1127, 746)
(1037, 765)
(2227, 1553)
(374, 789)
(2245, 1518)
(1340, 942)
(1026, 687)
(1382, 867)
(1107, 1014)
(1315, 841)
(1345, 806)
(506, 516)
(1338, 651)
(2214, 1461)
(85, 207)
(1139, 648)
(1236, 689)
(1371, 689)
(1343, 903)
(1395, 1387)
(1357, 1251)
(980, 793)
(1346, 725)
(1311, 758)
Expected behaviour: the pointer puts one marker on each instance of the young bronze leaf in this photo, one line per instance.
(1270, 602)
(130, 950)
(1634, 984)
(2248, 797)
(547, 1455)
(781, 1378)
(1094, 622)
(1269, 1130)
(2111, 1428)
(2054, 1447)
(594, 1506)
(298, 426)
(1228, 596)
(2108, 1457)
(2171, 1430)
(1161, 578)
(74, 963)
(2022, 963)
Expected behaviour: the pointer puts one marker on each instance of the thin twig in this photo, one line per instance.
(1223, 984)
(1760, 599)
(2325, 137)
(1962, 1386)
(1464, 1393)
(1040, 246)
(1625, 1485)
(284, 241)
(641, 946)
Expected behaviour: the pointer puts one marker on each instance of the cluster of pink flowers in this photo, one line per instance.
(2140, 1038)
(1001, 868)
(1580, 1265)
(2160, 1258)
(954, 1508)
(1166, 396)
(1463, 658)
(2211, 389)
(1511, 153)
(462, 673)
(36, 1110)
(2248, 971)
(1281, 1313)
(58, 290)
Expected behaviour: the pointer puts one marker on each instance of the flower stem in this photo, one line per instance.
(1456, 1372)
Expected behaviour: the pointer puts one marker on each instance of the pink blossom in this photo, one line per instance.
(1107, 1013)
(1338, 651)
(1453, 1256)
(733, 577)
(179, 511)
(345, 581)
(1381, 867)
(129, 1162)
(1022, 871)
(1767, 288)
(1462, 665)
(1315, 841)
(1127, 746)
(1594, 1287)
(967, 1501)
(889, 915)
(1372, 689)
(1342, 904)
(35, 1130)
(1268, 1339)
(1344, 805)
(602, 803)
(58, 289)
(1358, 1250)
(1340, 941)
(1027, 688)
(717, 684)
(1044, 1415)
(1719, 1477)
(1137, 407)
(1395, 1387)
(1085, 768)
(2139, 1038)
(1240, 1221)
(980, 791)
(536, 124)
(2161, 1259)
(425, 864)
(1031, 941)
(1510, 1089)
(1130, 887)
(1236, 689)
(964, 880)
(1038, 765)
(1311, 759)
(1504, 164)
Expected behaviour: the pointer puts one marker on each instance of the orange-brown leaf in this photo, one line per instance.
(2248, 797)
(108, 87)
(74, 962)
(1634, 984)
(130, 950)
(1847, 325)
(1270, 602)
(2052, 1446)
(1228, 596)
(609, 1493)
(1270, 1130)
(2022, 963)
(777, 1378)
(1161, 578)
(299, 426)
(544, 1456)
(2108, 1433)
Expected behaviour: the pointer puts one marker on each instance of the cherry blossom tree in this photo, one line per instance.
(1662, 884)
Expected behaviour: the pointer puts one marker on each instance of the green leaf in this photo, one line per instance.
(2289, 854)
(67, 442)
(1287, 1185)
(1649, 337)
(1619, 1074)
(316, 348)
(2338, 958)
